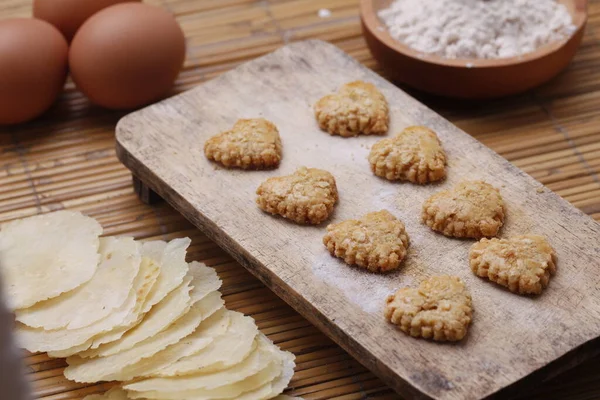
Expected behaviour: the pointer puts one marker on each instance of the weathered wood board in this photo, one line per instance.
(511, 336)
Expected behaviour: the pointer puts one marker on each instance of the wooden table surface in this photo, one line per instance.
(66, 159)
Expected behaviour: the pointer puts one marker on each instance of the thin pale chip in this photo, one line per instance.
(106, 368)
(120, 321)
(274, 388)
(204, 335)
(264, 354)
(115, 393)
(232, 391)
(175, 305)
(277, 385)
(59, 247)
(173, 268)
(71, 351)
(226, 350)
(137, 313)
(205, 280)
(62, 340)
(281, 382)
(107, 290)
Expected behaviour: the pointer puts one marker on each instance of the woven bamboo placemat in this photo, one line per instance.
(66, 160)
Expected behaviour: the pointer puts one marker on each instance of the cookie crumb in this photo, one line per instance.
(324, 13)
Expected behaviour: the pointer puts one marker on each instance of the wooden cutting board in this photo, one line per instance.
(511, 336)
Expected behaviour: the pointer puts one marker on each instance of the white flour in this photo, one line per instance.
(366, 289)
(477, 28)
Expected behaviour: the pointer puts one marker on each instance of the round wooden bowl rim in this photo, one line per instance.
(379, 30)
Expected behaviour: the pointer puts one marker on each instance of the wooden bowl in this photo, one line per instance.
(469, 78)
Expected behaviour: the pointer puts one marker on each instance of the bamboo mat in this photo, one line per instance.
(66, 160)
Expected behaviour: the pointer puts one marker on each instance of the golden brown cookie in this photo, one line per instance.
(472, 209)
(523, 264)
(306, 197)
(439, 309)
(250, 144)
(415, 155)
(377, 241)
(357, 108)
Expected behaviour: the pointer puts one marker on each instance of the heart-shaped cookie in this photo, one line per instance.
(523, 264)
(307, 196)
(250, 144)
(472, 209)
(357, 108)
(439, 309)
(415, 155)
(377, 241)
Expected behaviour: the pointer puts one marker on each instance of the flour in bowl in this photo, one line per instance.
(477, 28)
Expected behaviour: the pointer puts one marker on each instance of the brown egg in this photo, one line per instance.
(69, 15)
(33, 68)
(127, 55)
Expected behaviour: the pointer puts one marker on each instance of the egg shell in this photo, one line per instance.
(127, 55)
(33, 68)
(68, 15)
